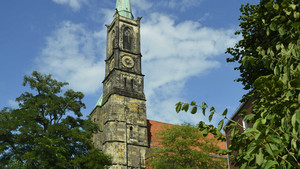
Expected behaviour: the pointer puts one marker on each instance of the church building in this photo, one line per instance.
(121, 110)
(125, 133)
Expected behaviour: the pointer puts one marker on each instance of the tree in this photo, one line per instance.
(269, 56)
(46, 131)
(270, 31)
(185, 147)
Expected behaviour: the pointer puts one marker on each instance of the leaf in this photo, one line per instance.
(298, 115)
(203, 111)
(276, 71)
(294, 120)
(295, 83)
(270, 148)
(285, 78)
(274, 139)
(272, 53)
(250, 116)
(203, 108)
(178, 106)
(273, 26)
(257, 136)
(220, 125)
(185, 107)
(293, 6)
(244, 166)
(269, 164)
(288, 12)
(263, 121)
(211, 116)
(252, 147)
(194, 110)
(294, 143)
(225, 112)
(259, 157)
(278, 46)
(276, 6)
(205, 132)
(281, 31)
(283, 123)
(269, 5)
(294, 52)
(296, 24)
(296, 15)
(251, 130)
(233, 133)
(256, 124)
(193, 103)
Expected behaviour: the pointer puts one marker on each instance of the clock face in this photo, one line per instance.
(128, 61)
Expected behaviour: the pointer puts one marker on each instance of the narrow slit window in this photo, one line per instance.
(113, 44)
(113, 40)
(125, 81)
(132, 83)
(131, 132)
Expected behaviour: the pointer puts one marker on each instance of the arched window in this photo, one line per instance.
(127, 39)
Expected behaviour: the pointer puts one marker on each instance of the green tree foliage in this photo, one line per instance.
(181, 148)
(46, 131)
(270, 32)
(269, 56)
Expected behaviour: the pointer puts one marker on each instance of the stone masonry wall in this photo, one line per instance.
(124, 134)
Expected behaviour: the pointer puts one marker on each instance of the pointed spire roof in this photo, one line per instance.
(123, 7)
(99, 103)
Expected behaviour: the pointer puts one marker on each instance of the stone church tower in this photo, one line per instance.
(121, 110)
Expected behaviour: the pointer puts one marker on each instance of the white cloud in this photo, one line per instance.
(142, 4)
(204, 18)
(106, 15)
(74, 4)
(182, 5)
(173, 53)
(72, 54)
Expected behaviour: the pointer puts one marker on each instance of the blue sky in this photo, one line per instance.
(183, 47)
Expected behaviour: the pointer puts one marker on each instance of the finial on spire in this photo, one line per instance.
(123, 7)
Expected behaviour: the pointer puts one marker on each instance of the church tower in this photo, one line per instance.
(121, 110)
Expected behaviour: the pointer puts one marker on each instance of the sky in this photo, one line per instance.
(183, 47)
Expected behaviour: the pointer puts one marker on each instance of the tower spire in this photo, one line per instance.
(121, 112)
(123, 7)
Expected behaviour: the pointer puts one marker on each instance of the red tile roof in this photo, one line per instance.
(155, 126)
(153, 140)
